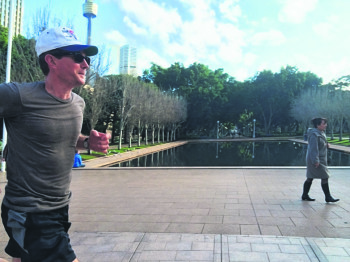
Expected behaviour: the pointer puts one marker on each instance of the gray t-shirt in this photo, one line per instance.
(42, 134)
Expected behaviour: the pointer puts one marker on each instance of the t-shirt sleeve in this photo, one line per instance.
(10, 101)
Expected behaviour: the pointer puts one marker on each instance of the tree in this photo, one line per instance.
(268, 98)
(303, 108)
(95, 100)
(24, 62)
(124, 85)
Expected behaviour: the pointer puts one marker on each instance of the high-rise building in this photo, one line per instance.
(17, 15)
(127, 60)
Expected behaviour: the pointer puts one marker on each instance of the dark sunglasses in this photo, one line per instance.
(77, 57)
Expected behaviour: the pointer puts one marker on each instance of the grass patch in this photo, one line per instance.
(344, 142)
(87, 157)
(114, 151)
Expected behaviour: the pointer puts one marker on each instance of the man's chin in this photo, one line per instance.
(82, 80)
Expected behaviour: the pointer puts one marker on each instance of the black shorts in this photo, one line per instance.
(38, 237)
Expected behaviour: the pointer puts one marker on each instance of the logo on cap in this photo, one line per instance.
(68, 33)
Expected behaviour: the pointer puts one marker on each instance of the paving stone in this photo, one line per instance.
(282, 257)
(265, 248)
(204, 214)
(248, 257)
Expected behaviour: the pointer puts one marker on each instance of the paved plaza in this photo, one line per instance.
(205, 214)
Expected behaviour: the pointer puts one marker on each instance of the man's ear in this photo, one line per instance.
(50, 60)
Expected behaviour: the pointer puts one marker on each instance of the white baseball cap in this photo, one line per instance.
(62, 38)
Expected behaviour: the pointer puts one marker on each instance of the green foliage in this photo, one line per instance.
(245, 118)
(24, 62)
(203, 89)
(215, 96)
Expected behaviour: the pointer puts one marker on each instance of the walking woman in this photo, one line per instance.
(316, 160)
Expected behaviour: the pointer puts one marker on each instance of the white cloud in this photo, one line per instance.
(113, 52)
(327, 70)
(294, 11)
(116, 37)
(323, 29)
(229, 54)
(157, 20)
(218, 40)
(334, 70)
(230, 10)
(328, 27)
(200, 9)
(231, 34)
(206, 40)
(271, 38)
(147, 56)
(241, 74)
(201, 38)
(249, 59)
(134, 27)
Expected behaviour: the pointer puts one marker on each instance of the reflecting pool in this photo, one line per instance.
(259, 153)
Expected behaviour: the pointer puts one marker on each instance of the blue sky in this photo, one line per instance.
(241, 36)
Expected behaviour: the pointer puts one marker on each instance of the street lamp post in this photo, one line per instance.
(217, 150)
(254, 128)
(217, 131)
(253, 150)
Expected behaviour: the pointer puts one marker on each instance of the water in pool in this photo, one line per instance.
(284, 153)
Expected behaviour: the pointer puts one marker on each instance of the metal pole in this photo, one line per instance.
(89, 31)
(8, 77)
(254, 129)
(253, 150)
(217, 131)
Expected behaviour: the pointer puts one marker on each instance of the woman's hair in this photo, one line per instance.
(317, 121)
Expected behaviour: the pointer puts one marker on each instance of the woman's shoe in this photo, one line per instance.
(331, 199)
(328, 197)
(306, 189)
(307, 198)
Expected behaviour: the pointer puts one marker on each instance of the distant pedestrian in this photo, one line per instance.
(78, 162)
(316, 159)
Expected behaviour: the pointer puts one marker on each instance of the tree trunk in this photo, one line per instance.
(341, 129)
(139, 134)
(146, 138)
(130, 137)
(120, 138)
(120, 134)
(153, 130)
(158, 136)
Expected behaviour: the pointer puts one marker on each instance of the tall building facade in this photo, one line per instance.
(128, 60)
(17, 15)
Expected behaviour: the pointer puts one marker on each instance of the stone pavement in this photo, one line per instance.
(205, 214)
